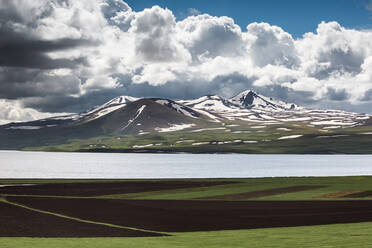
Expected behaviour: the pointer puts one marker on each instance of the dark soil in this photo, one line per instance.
(339, 194)
(19, 222)
(106, 188)
(262, 193)
(186, 216)
(367, 193)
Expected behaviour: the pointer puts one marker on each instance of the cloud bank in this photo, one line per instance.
(67, 56)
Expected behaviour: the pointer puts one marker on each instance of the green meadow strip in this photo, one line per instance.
(81, 220)
(356, 235)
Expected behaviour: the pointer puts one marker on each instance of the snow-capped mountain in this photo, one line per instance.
(108, 107)
(245, 100)
(99, 111)
(218, 124)
(251, 107)
(150, 115)
(129, 115)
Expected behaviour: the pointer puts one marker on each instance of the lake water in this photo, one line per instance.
(15, 164)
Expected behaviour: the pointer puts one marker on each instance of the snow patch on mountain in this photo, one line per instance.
(120, 100)
(210, 103)
(142, 146)
(284, 129)
(114, 104)
(290, 137)
(208, 129)
(138, 113)
(214, 118)
(174, 127)
(102, 112)
(178, 107)
(25, 127)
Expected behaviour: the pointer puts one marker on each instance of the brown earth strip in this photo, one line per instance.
(104, 188)
(187, 216)
(262, 193)
(361, 194)
(19, 222)
(338, 194)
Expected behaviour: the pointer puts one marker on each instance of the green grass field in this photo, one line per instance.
(320, 236)
(330, 185)
(356, 140)
(326, 236)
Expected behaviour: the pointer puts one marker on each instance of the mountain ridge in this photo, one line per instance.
(248, 114)
(246, 106)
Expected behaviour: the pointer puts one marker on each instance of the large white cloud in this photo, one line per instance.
(91, 50)
(270, 45)
(12, 111)
(334, 50)
(154, 31)
(209, 36)
(117, 13)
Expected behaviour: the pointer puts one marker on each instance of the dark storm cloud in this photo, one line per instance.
(286, 94)
(18, 50)
(224, 85)
(70, 104)
(24, 60)
(337, 95)
(22, 49)
(8, 12)
(60, 103)
(339, 61)
(18, 82)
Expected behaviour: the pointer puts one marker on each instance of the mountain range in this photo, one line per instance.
(209, 123)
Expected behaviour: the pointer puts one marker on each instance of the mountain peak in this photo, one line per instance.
(251, 99)
(120, 100)
(107, 107)
(248, 98)
(213, 103)
(247, 92)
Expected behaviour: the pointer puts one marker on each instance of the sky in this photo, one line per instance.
(295, 17)
(67, 56)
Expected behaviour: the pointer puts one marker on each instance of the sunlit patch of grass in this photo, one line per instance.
(341, 236)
